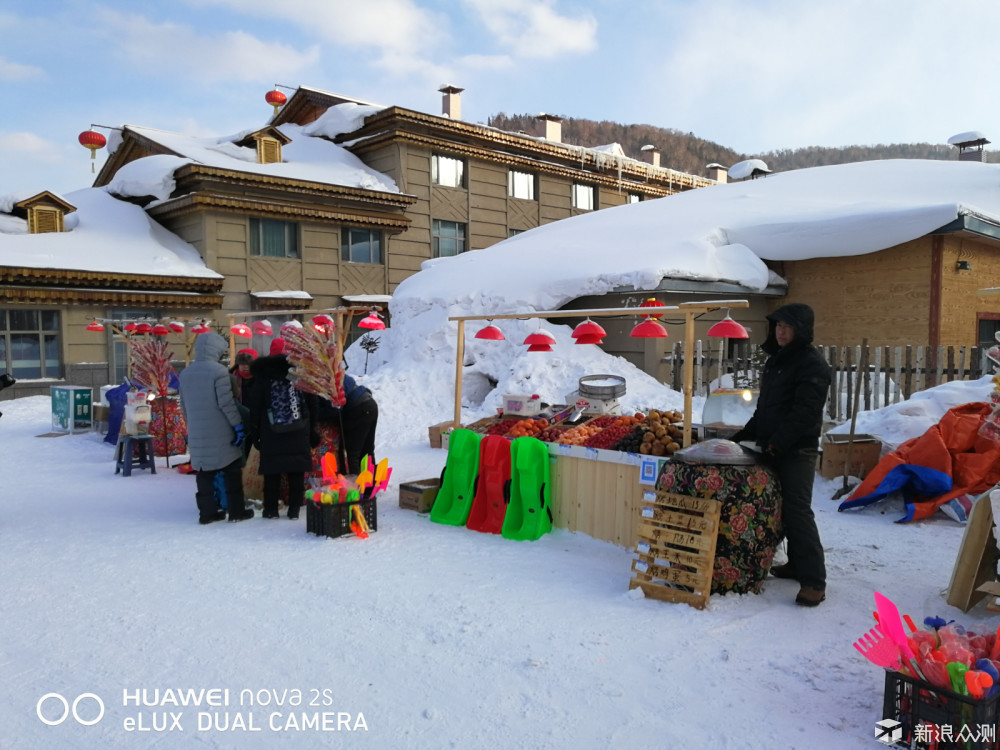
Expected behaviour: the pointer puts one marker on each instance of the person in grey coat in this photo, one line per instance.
(215, 429)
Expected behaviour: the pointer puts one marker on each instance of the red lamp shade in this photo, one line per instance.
(652, 302)
(539, 348)
(491, 333)
(160, 330)
(242, 330)
(372, 322)
(129, 327)
(176, 326)
(143, 328)
(276, 99)
(200, 328)
(540, 338)
(588, 328)
(262, 328)
(589, 338)
(322, 323)
(649, 329)
(95, 325)
(729, 329)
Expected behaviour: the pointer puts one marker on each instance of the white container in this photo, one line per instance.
(138, 415)
(593, 405)
(521, 405)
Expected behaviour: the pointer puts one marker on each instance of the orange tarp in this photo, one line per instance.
(952, 446)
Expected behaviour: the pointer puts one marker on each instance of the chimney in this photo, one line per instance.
(451, 102)
(970, 145)
(717, 172)
(651, 155)
(549, 127)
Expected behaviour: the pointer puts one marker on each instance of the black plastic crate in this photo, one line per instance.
(930, 717)
(334, 519)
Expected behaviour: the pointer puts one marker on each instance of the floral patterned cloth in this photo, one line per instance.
(750, 524)
(171, 441)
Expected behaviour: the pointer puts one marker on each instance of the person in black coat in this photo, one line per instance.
(359, 419)
(786, 425)
(282, 428)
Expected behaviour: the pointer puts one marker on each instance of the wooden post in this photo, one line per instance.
(459, 359)
(688, 373)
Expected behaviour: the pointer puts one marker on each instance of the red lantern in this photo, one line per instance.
(652, 302)
(95, 325)
(160, 330)
(176, 326)
(143, 328)
(242, 330)
(371, 322)
(276, 99)
(129, 327)
(200, 328)
(93, 140)
(540, 338)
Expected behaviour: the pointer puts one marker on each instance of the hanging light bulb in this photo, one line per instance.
(242, 330)
(727, 328)
(262, 328)
(372, 322)
(95, 325)
(490, 333)
(649, 329)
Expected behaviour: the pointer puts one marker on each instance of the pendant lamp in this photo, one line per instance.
(589, 338)
(490, 333)
(176, 326)
(372, 322)
(200, 328)
(95, 325)
(242, 330)
(540, 348)
(540, 338)
(729, 329)
(262, 328)
(160, 330)
(143, 328)
(649, 329)
(588, 328)
(129, 327)
(290, 324)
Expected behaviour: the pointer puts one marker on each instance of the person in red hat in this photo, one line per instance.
(241, 371)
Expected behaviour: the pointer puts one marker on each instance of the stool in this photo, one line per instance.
(124, 454)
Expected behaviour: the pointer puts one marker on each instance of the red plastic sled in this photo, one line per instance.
(490, 504)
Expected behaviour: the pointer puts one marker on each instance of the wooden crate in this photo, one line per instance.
(675, 551)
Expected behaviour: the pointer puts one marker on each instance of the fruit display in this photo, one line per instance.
(614, 432)
(501, 427)
(527, 428)
(552, 434)
(660, 435)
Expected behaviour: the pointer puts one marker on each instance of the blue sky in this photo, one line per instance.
(752, 75)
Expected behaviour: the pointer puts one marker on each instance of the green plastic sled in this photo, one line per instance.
(529, 514)
(458, 479)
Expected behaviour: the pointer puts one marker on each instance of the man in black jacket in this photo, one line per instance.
(786, 425)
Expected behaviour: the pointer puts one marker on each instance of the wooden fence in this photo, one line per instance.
(892, 373)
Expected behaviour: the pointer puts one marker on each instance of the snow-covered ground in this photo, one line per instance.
(422, 636)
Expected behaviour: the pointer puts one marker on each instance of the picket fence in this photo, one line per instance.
(889, 374)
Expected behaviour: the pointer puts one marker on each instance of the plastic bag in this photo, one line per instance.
(715, 451)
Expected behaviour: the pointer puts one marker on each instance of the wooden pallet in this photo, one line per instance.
(675, 551)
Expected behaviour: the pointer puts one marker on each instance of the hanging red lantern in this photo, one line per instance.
(129, 327)
(372, 322)
(276, 99)
(242, 330)
(93, 140)
(176, 326)
(652, 302)
(95, 325)
(143, 328)
(262, 328)
(540, 338)
(160, 330)
(200, 328)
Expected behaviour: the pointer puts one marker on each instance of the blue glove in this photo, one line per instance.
(240, 435)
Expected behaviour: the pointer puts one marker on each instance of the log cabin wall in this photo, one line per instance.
(960, 304)
(884, 296)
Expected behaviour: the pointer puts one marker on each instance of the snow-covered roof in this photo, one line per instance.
(746, 168)
(309, 156)
(718, 233)
(104, 235)
(971, 136)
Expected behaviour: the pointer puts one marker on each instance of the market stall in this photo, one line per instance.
(597, 486)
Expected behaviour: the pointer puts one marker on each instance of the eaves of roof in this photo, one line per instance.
(20, 275)
(48, 295)
(972, 226)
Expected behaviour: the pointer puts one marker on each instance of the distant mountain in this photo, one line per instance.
(687, 152)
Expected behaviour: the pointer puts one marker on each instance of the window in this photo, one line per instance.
(583, 197)
(447, 171)
(633, 198)
(274, 239)
(514, 232)
(29, 343)
(521, 185)
(360, 245)
(447, 238)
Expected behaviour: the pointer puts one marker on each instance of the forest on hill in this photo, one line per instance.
(686, 152)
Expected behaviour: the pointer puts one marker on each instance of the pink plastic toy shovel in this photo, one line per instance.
(878, 649)
(890, 622)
